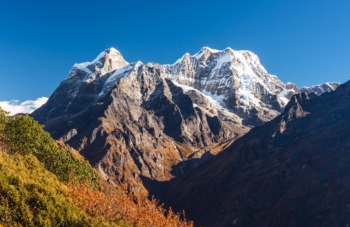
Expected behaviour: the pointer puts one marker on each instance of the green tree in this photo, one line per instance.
(4, 120)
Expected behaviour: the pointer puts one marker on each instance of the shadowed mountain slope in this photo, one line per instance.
(291, 171)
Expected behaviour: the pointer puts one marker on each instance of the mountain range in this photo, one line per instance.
(209, 134)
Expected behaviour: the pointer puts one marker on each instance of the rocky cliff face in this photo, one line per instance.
(147, 124)
(135, 125)
(291, 171)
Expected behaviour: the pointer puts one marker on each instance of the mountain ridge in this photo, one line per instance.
(225, 84)
(149, 124)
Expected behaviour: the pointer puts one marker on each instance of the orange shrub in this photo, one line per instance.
(117, 205)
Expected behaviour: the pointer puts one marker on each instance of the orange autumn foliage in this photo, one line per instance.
(116, 205)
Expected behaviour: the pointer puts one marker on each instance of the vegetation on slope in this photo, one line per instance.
(32, 196)
(44, 185)
(118, 205)
(25, 136)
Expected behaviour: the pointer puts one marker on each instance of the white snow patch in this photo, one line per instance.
(283, 97)
(114, 56)
(81, 65)
(119, 72)
(212, 50)
(199, 54)
(122, 72)
(113, 50)
(227, 57)
(98, 58)
(284, 101)
(215, 100)
(202, 52)
(246, 97)
(320, 85)
(285, 92)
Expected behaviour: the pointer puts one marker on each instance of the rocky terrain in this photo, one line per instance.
(149, 124)
(134, 125)
(236, 78)
(291, 171)
(320, 89)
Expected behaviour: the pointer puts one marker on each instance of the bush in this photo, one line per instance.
(116, 204)
(32, 196)
(25, 136)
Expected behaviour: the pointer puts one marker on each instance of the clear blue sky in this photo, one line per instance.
(300, 41)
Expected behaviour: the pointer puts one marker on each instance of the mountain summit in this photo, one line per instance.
(148, 124)
(236, 78)
(107, 61)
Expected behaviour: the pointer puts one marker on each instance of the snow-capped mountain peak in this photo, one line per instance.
(235, 79)
(107, 61)
(235, 76)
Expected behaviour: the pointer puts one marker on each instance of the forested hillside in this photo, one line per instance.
(42, 184)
